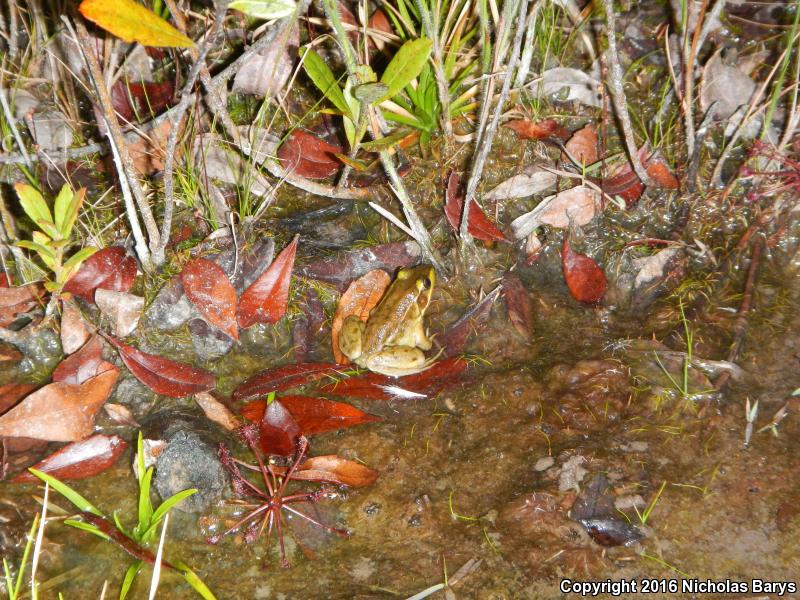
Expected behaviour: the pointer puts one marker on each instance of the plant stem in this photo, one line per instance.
(431, 30)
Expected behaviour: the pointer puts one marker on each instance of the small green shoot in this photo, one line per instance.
(645, 514)
(14, 587)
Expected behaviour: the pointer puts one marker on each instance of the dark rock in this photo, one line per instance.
(209, 343)
(170, 309)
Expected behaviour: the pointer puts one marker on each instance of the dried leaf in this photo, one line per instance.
(59, 412)
(479, 225)
(626, 184)
(568, 84)
(11, 393)
(266, 73)
(82, 365)
(73, 328)
(585, 279)
(79, 460)
(533, 180)
(313, 415)
(579, 204)
(17, 300)
(359, 299)
(163, 376)
(518, 303)
(132, 22)
(283, 378)
(333, 469)
(308, 156)
(110, 268)
(278, 430)
(540, 130)
(218, 412)
(122, 309)
(210, 290)
(121, 415)
(265, 301)
(583, 145)
(141, 99)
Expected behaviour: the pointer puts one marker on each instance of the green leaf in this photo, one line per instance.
(264, 9)
(49, 229)
(63, 200)
(62, 488)
(33, 203)
(370, 92)
(71, 214)
(41, 249)
(164, 508)
(385, 143)
(406, 65)
(130, 575)
(76, 259)
(145, 504)
(193, 580)
(132, 22)
(86, 527)
(322, 76)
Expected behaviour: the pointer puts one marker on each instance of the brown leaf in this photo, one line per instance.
(137, 551)
(265, 301)
(518, 304)
(333, 469)
(121, 415)
(479, 225)
(283, 378)
(528, 130)
(626, 184)
(163, 376)
(110, 268)
(313, 415)
(308, 156)
(17, 300)
(379, 22)
(149, 150)
(210, 290)
(585, 279)
(82, 365)
(278, 431)
(359, 299)
(218, 412)
(583, 145)
(579, 205)
(121, 308)
(11, 393)
(73, 328)
(140, 101)
(59, 412)
(79, 460)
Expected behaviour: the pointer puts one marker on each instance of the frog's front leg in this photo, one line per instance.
(351, 337)
(396, 361)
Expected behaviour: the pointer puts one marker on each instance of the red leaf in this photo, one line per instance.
(84, 364)
(585, 279)
(210, 290)
(110, 268)
(479, 225)
(266, 299)
(518, 304)
(313, 415)
(626, 184)
(17, 300)
(282, 378)
(278, 430)
(333, 469)
(79, 460)
(163, 376)
(141, 99)
(528, 130)
(583, 145)
(11, 393)
(308, 156)
(59, 412)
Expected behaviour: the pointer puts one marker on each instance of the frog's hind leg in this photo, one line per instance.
(351, 336)
(397, 361)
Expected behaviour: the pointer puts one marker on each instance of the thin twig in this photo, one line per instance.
(431, 30)
(12, 123)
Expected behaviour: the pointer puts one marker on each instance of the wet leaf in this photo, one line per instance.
(132, 22)
(163, 376)
(212, 293)
(359, 299)
(278, 431)
(121, 415)
(313, 415)
(585, 279)
(121, 308)
(110, 268)
(333, 469)
(267, 72)
(579, 204)
(479, 225)
(308, 326)
(583, 145)
(218, 412)
(265, 301)
(84, 364)
(11, 393)
(141, 99)
(455, 338)
(79, 460)
(59, 412)
(626, 184)
(533, 180)
(73, 328)
(518, 303)
(566, 84)
(539, 130)
(306, 155)
(17, 300)
(283, 378)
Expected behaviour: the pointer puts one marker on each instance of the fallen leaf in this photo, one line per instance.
(308, 156)
(313, 415)
(585, 279)
(212, 293)
(11, 393)
(59, 412)
(283, 378)
(379, 24)
(518, 304)
(84, 364)
(121, 308)
(148, 149)
(17, 300)
(724, 88)
(583, 145)
(533, 180)
(539, 130)
(218, 412)
(479, 225)
(73, 328)
(265, 301)
(163, 376)
(308, 326)
(110, 269)
(627, 185)
(278, 431)
(579, 204)
(333, 469)
(79, 460)
(359, 299)
(140, 101)
(266, 72)
(132, 22)
(121, 415)
(567, 84)
(455, 338)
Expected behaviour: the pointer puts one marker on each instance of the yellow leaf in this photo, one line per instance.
(132, 22)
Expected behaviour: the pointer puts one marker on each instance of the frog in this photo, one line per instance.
(393, 340)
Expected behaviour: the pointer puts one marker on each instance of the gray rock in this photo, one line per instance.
(209, 343)
(170, 308)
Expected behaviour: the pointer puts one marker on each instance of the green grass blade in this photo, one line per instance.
(164, 508)
(86, 527)
(62, 488)
(130, 575)
(193, 580)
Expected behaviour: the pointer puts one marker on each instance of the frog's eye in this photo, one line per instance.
(426, 283)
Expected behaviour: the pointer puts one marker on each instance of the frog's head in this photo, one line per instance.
(419, 281)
